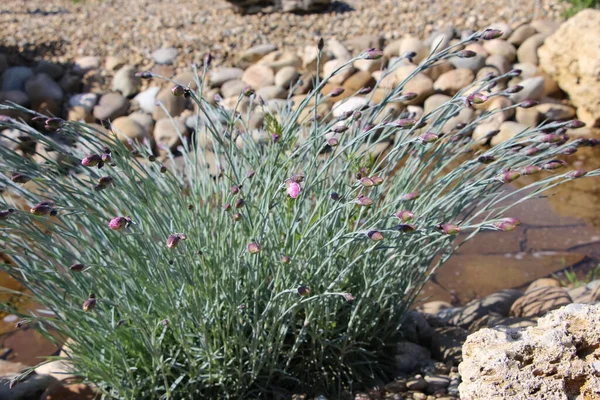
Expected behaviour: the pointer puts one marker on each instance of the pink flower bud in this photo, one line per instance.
(530, 170)
(253, 248)
(42, 208)
(118, 223)
(509, 176)
(532, 151)
(239, 203)
(514, 89)
(405, 123)
(364, 201)
(377, 180)
(248, 91)
(529, 103)
(406, 228)
(275, 138)
(507, 224)
(226, 207)
(348, 297)
(285, 260)
(250, 174)
(428, 138)
(77, 267)
(53, 123)
(373, 54)
(336, 92)
(20, 178)
(577, 173)
(236, 217)
(410, 196)
(554, 164)
(90, 303)
(333, 142)
(207, 59)
(365, 90)
(575, 124)
(234, 189)
(367, 182)
(569, 150)
(490, 34)
(375, 235)
(340, 129)
(91, 160)
(293, 189)
(303, 291)
(477, 98)
(405, 215)
(486, 159)
(174, 239)
(465, 54)
(178, 90)
(449, 229)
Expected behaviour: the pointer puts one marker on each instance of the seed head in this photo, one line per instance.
(77, 267)
(405, 215)
(293, 189)
(91, 160)
(364, 201)
(577, 173)
(507, 224)
(118, 223)
(90, 303)
(253, 248)
(303, 291)
(575, 124)
(509, 176)
(373, 54)
(248, 91)
(20, 178)
(490, 34)
(449, 229)
(285, 260)
(375, 235)
(530, 170)
(336, 92)
(234, 189)
(410, 196)
(514, 89)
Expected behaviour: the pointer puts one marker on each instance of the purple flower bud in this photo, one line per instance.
(532, 151)
(492, 85)
(348, 297)
(530, 170)
(106, 157)
(91, 160)
(105, 181)
(253, 248)
(405, 123)
(514, 89)
(554, 164)
(339, 129)
(373, 54)
(236, 217)
(377, 180)
(428, 138)
(178, 90)
(335, 196)
(550, 138)
(367, 182)
(409, 196)
(486, 159)
(275, 138)
(336, 92)
(569, 150)
(507, 224)
(303, 291)
(375, 235)
(406, 228)
(248, 91)
(4, 214)
(234, 189)
(408, 96)
(298, 178)
(449, 229)
(13, 382)
(320, 44)
(477, 98)
(583, 142)
(465, 54)
(19, 324)
(577, 173)
(239, 203)
(405, 215)
(575, 124)
(513, 73)
(364, 201)
(77, 267)
(529, 103)
(285, 260)
(174, 239)
(20, 178)
(333, 142)
(144, 74)
(490, 34)
(293, 189)
(118, 223)
(250, 174)
(356, 115)
(90, 303)
(365, 90)
(53, 123)
(509, 176)
(208, 59)
(41, 209)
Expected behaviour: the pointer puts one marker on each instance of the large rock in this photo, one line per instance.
(447, 342)
(557, 359)
(29, 389)
(499, 303)
(574, 63)
(410, 357)
(41, 87)
(14, 78)
(539, 301)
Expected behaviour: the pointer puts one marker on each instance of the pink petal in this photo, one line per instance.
(293, 190)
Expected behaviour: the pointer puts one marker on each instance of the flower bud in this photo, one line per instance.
(507, 224)
(575, 124)
(348, 297)
(91, 160)
(530, 170)
(90, 303)
(178, 90)
(364, 201)
(410, 196)
(207, 59)
(42, 208)
(236, 217)
(465, 54)
(367, 182)
(239, 203)
(405, 123)
(144, 74)
(550, 138)
(250, 174)
(405, 215)
(365, 90)
(569, 150)
(333, 142)
(77, 267)
(577, 173)
(373, 54)
(377, 180)
(4, 214)
(529, 103)
(234, 189)
(408, 96)
(303, 291)
(298, 178)
(428, 138)
(336, 92)
(477, 98)
(532, 151)
(490, 34)
(486, 159)
(449, 229)
(554, 164)
(19, 324)
(335, 196)
(248, 91)
(174, 239)
(20, 178)
(514, 89)
(253, 248)
(53, 123)
(118, 223)
(509, 176)
(275, 138)
(285, 260)
(339, 129)
(375, 235)
(406, 228)
(320, 44)
(293, 189)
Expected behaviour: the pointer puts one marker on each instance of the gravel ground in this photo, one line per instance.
(62, 30)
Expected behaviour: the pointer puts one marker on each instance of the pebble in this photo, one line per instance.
(280, 59)
(219, 76)
(14, 78)
(355, 103)
(453, 81)
(111, 106)
(436, 382)
(533, 89)
(174, 105)
(272, 92)
(527, 52)
(508, 130)
(521, 34)
(168, 134)
(126, 128)
(165, 55)
(422, 85)
(473, 63)
(416, 383)
(74, 391)
(340, 77)
(126, 82)
(144, 120)
(499, 62)
(53, 70)
(255, 53)
(258, 76)
(87, 101)
(86, 64)
(286, 77)
(147, 99)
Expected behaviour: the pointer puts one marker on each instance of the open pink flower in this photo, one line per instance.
(293, 189)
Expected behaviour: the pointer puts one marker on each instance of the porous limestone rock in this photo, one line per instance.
(557, 359)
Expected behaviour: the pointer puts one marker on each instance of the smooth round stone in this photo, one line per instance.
(370, 65)
(255, 53)
(503, 27)
(527, 52)
(70, 83)
(502, 48)
(477, 48)
(272, 92)
(527, 70)
(111, 106)
(411, 44)
(145, 121)
(79, 113)
(233, 88)
(113, 63)
(359, 80)
(53, 70)
(127, 128)
(258, 76)
(147, 99)
(14, 78)
(279, 59)
(474, 63)
(4, 62)
(86, 64)
(351, 104)
(286, 77)
(186, 79)
(341, 76)
(500, 62)
(126, 82)
(338, 49)
(521, 34)
(422, 85)
(14, 96)
(383, 82)
(453, 81)
(435, 101)
(508, 130)
(165, 55)
(393, 48)
(440, 42)
(219, 76)
(533, 89)
(174, 105)
(438, 69)
(545, 26)
(166, 132)
(87, 101)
